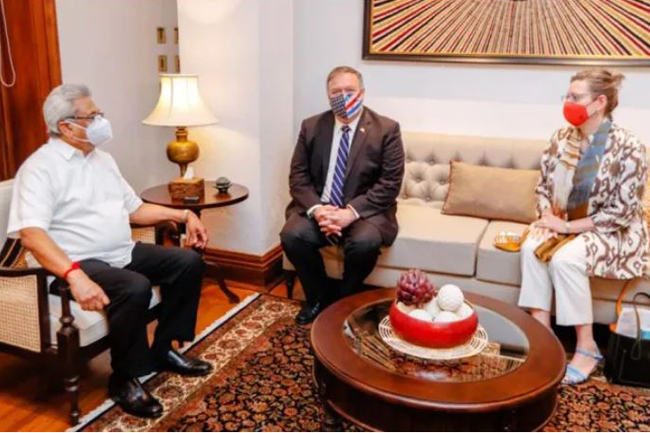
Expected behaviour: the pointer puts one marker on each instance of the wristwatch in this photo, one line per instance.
(567, 226)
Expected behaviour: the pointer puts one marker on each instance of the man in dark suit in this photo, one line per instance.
(346, 173)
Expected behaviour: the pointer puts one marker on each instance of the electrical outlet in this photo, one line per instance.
(161, 35)
(162, 63)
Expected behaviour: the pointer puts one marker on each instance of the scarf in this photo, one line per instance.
(574, 176)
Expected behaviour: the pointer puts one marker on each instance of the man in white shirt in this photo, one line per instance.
(346, 173)
(71, 208)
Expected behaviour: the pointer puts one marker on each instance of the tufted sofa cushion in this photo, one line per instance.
(426, 178)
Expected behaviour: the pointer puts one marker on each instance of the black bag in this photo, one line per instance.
(628, 359)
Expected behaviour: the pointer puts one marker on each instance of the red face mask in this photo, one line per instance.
(575, 114)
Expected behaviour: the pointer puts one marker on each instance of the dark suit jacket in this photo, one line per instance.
(373, 176)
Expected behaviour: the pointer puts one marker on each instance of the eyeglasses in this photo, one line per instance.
(89, 117)
(573, 97)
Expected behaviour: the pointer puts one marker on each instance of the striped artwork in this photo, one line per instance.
(529, 31)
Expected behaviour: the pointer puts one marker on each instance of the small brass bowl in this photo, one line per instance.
(223, 184)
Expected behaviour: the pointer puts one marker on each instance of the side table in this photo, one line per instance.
(159, 195)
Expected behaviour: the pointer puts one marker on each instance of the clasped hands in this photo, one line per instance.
(548, 226)
(333, 220)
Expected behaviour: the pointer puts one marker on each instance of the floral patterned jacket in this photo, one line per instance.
(618, 247)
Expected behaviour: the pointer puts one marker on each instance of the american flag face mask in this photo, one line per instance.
(346, 105)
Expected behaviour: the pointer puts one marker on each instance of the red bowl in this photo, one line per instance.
(429, 334)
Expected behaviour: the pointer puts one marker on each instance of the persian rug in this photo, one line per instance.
(262, 382)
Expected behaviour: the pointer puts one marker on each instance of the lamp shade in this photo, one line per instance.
(180, 103)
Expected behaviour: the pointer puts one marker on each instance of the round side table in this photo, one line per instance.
(159, 195)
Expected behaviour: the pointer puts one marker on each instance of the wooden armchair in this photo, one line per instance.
(36, 324)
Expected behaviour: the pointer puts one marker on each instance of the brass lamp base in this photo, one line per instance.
(182, 151)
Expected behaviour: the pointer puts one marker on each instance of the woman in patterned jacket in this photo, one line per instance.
(591, 220)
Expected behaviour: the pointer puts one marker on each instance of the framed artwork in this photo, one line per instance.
(554, 32)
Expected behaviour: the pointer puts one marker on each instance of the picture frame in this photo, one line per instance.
(545, 32)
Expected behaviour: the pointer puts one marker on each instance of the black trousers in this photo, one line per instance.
(179, 273)
(301, 240)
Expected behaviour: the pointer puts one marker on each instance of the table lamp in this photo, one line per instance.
(180, 105)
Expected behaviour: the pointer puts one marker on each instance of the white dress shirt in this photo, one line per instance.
(82, 202)
(334, 153)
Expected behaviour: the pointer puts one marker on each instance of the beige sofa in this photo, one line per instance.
(458, 249)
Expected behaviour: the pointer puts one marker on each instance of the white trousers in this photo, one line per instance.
(567, 273)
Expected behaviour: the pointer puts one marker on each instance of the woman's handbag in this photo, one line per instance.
(628, 359)
(545, 251)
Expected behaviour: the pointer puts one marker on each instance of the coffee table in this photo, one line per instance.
(510, 386)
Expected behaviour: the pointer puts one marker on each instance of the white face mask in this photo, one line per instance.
(98, 132)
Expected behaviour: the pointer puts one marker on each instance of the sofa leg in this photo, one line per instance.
(68, 345)
(290, 281)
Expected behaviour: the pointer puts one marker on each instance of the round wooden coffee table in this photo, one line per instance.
(511, 385)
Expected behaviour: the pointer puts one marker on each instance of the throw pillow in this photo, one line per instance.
(491, 192)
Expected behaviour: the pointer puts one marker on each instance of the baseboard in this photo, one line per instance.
(264, 270)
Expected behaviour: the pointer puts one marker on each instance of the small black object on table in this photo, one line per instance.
(211, 199)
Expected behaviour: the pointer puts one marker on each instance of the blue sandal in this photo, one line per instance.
(573, 376)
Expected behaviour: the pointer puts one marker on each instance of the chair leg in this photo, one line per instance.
(68, 346)
(290, 281)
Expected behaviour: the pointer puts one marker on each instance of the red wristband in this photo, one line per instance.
(74, 266)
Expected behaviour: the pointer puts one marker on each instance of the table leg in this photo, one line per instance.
(232, 297)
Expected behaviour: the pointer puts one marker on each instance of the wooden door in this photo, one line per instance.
(32, 31)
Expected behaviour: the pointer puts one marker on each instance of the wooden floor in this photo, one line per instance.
(26, 403)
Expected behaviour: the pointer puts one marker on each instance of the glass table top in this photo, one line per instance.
(506, 351)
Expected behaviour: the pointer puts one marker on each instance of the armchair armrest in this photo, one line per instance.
(24, 309)
(11, 272)
(165, 233)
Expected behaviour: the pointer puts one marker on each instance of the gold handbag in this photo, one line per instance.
(545, 251)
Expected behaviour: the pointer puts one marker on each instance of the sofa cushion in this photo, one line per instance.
(92, 325)
(434, 242)
(428, 156)
(496, 265)
(491, 192)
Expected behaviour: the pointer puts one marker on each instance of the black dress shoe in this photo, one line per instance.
(184, 365)
(131, 396)
(307, 314)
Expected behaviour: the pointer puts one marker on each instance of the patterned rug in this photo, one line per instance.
(262, 382)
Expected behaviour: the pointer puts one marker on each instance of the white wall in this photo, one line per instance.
(111, 46)
(262, 66)
(504, 100)
(242, 51)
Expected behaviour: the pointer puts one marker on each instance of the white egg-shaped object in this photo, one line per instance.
(445, 317)
(432, 308)
(464, 311)
(450, 298)
(420, 314)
